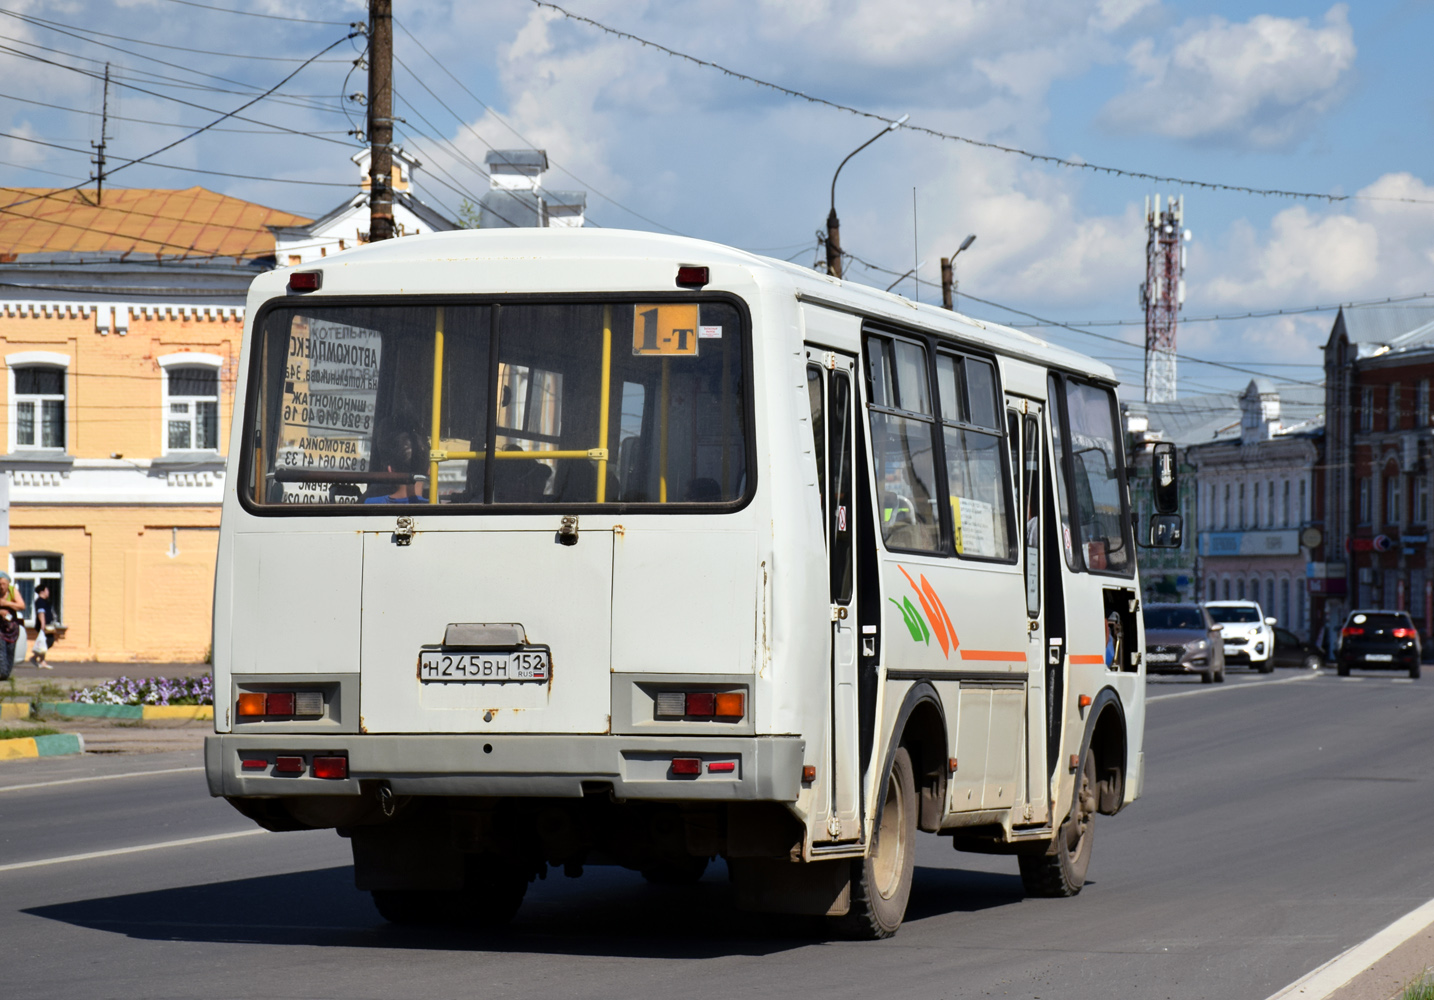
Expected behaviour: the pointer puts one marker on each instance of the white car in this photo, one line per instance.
(1248, 636)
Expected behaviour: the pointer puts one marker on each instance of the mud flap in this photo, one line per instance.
(813, 888)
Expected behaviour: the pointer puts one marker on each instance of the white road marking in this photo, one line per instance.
(116, 852)
(99, 777)
(1338, 971)
(1213, 688)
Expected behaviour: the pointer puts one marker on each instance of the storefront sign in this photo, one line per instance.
(1250, 543)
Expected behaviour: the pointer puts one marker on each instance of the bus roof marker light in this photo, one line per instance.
(306, 281)
(691, 276)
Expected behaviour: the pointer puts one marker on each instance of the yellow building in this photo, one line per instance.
(120, 328)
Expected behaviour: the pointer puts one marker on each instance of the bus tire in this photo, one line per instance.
(881, 881)
(675, 871)
(1061, 870)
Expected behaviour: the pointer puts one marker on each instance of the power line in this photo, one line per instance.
(269, 130)
(250, 13)
(510, 128)
(1264, 314)
(1034, 157)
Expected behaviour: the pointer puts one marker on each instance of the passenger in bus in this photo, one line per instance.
(520, 480)
(400, 452)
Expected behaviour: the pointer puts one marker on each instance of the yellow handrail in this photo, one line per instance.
(603, 403)
(437, 406)
(662, 439)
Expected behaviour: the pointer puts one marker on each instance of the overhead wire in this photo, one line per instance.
(268, 130)
(1027, 154)
(250, 13)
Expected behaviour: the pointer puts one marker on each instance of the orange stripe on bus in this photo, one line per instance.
(1018, 656)
(1085, 658)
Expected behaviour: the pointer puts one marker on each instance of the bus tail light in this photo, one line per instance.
(686, 766)
(701, 703)
(281, 703)
(288, 765)
(254, 764)
(726, 705)
(729, 705)
(331, 767)
(722, 767)
(253, 703)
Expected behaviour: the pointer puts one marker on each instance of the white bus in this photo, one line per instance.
(565, 547)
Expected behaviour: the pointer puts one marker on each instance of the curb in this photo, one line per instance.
(54, 745)
(14, 710)
(80, 710)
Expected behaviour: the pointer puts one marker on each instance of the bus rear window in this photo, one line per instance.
(461, 404)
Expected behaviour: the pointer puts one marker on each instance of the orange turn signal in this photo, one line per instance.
(730, 704)
(253, 703)
(809, 773)
(1085, 701)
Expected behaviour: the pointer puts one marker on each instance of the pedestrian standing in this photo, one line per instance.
(44, 626)
(12, 613)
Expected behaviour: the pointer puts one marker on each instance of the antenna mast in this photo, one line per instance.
(99, 161)
(1162, 294)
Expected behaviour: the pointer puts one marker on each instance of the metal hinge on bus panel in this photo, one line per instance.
(830, 359)
(403, 531)
(838, 613)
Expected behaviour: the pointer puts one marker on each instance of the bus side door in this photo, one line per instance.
(831, 393)
(1023, 421)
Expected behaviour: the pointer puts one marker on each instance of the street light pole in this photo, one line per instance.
(948, 272)
(833, 240)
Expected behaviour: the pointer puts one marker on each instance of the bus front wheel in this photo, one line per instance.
(1061, 870)
(881, 881)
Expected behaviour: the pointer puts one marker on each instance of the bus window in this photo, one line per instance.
(902, 444)
(817, 408)
(976, 468)
(533, 403)
(1058, 446)
(1097, 477)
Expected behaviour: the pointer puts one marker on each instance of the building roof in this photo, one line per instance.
(522, 160)
(1215, 416)
(154, 222)
(1382, 324)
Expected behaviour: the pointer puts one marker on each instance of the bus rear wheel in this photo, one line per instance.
(881, 881)
(1061, 870)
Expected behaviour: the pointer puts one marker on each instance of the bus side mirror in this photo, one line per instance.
(1165, 483)
(1165, 531)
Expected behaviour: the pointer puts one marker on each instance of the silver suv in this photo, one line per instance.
(1248, 636)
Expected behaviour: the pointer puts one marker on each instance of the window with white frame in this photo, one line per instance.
(39, 397)
(29, 571)
(1365, 504)
(1394, 406)
(1393, 497)
(1255, 515)
(1421, 403)
(1270, 504)
(1227, 506)
(1366, 409)
(1243, 523)
(1304, 513)
(1420, 498)
(1285, 504)
(191, 410)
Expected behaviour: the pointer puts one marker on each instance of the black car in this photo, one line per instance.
(1378, 640)
(1183, 639)
(1292, 651)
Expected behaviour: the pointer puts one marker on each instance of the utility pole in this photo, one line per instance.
(833, 238)
(99, 147)
(948, 274)
(1162, 294)
(380, 120)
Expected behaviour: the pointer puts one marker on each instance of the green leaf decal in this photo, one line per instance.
(913, 625)
(925, 632)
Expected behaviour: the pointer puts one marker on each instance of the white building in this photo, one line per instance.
(518, 198)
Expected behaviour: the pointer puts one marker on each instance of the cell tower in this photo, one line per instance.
(1163, 293)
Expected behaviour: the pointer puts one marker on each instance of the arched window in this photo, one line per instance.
(191, 401)
(37, 399)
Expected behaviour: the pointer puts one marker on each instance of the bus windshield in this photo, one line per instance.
(461, 404)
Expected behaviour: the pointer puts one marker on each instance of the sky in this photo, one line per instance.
(1330, 99)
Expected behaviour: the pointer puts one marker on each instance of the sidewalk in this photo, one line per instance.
(94, 672)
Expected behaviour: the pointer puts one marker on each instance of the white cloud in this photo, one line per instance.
(1258, 83)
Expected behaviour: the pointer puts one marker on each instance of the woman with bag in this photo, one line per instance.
(12, 612)
(44, 626)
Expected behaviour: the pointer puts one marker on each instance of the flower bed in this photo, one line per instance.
(149, 691)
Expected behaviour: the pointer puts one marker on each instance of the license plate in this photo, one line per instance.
(1379, 657)
(507, 665)
(1160, 657)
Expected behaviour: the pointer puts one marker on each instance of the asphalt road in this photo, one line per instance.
(1284, 819)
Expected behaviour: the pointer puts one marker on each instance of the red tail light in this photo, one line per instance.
(1403, 633)
(331, 767)
(288, 765)
(686, 766)
(281, 703)
(701, 702)
(306, 281)
(1352, 631)
(255, 764)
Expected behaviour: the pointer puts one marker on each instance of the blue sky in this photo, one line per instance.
(1319, 97)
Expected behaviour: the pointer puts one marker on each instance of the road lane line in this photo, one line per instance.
(116, 852)
(1213, 688)
(99, 777)
(1323, 981)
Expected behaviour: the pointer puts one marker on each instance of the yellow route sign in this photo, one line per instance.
(665, 330)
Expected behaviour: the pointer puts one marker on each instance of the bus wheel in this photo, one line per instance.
(1060, 871)
(675, 871)
(881, 882)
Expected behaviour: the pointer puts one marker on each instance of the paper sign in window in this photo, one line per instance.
(665, 330)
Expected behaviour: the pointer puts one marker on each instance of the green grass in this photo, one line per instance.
(1419, 989)
(16, 733)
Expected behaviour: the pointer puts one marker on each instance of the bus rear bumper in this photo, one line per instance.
(752, 768)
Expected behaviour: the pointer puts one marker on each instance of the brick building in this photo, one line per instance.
(120, 328)
(1379, 366)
